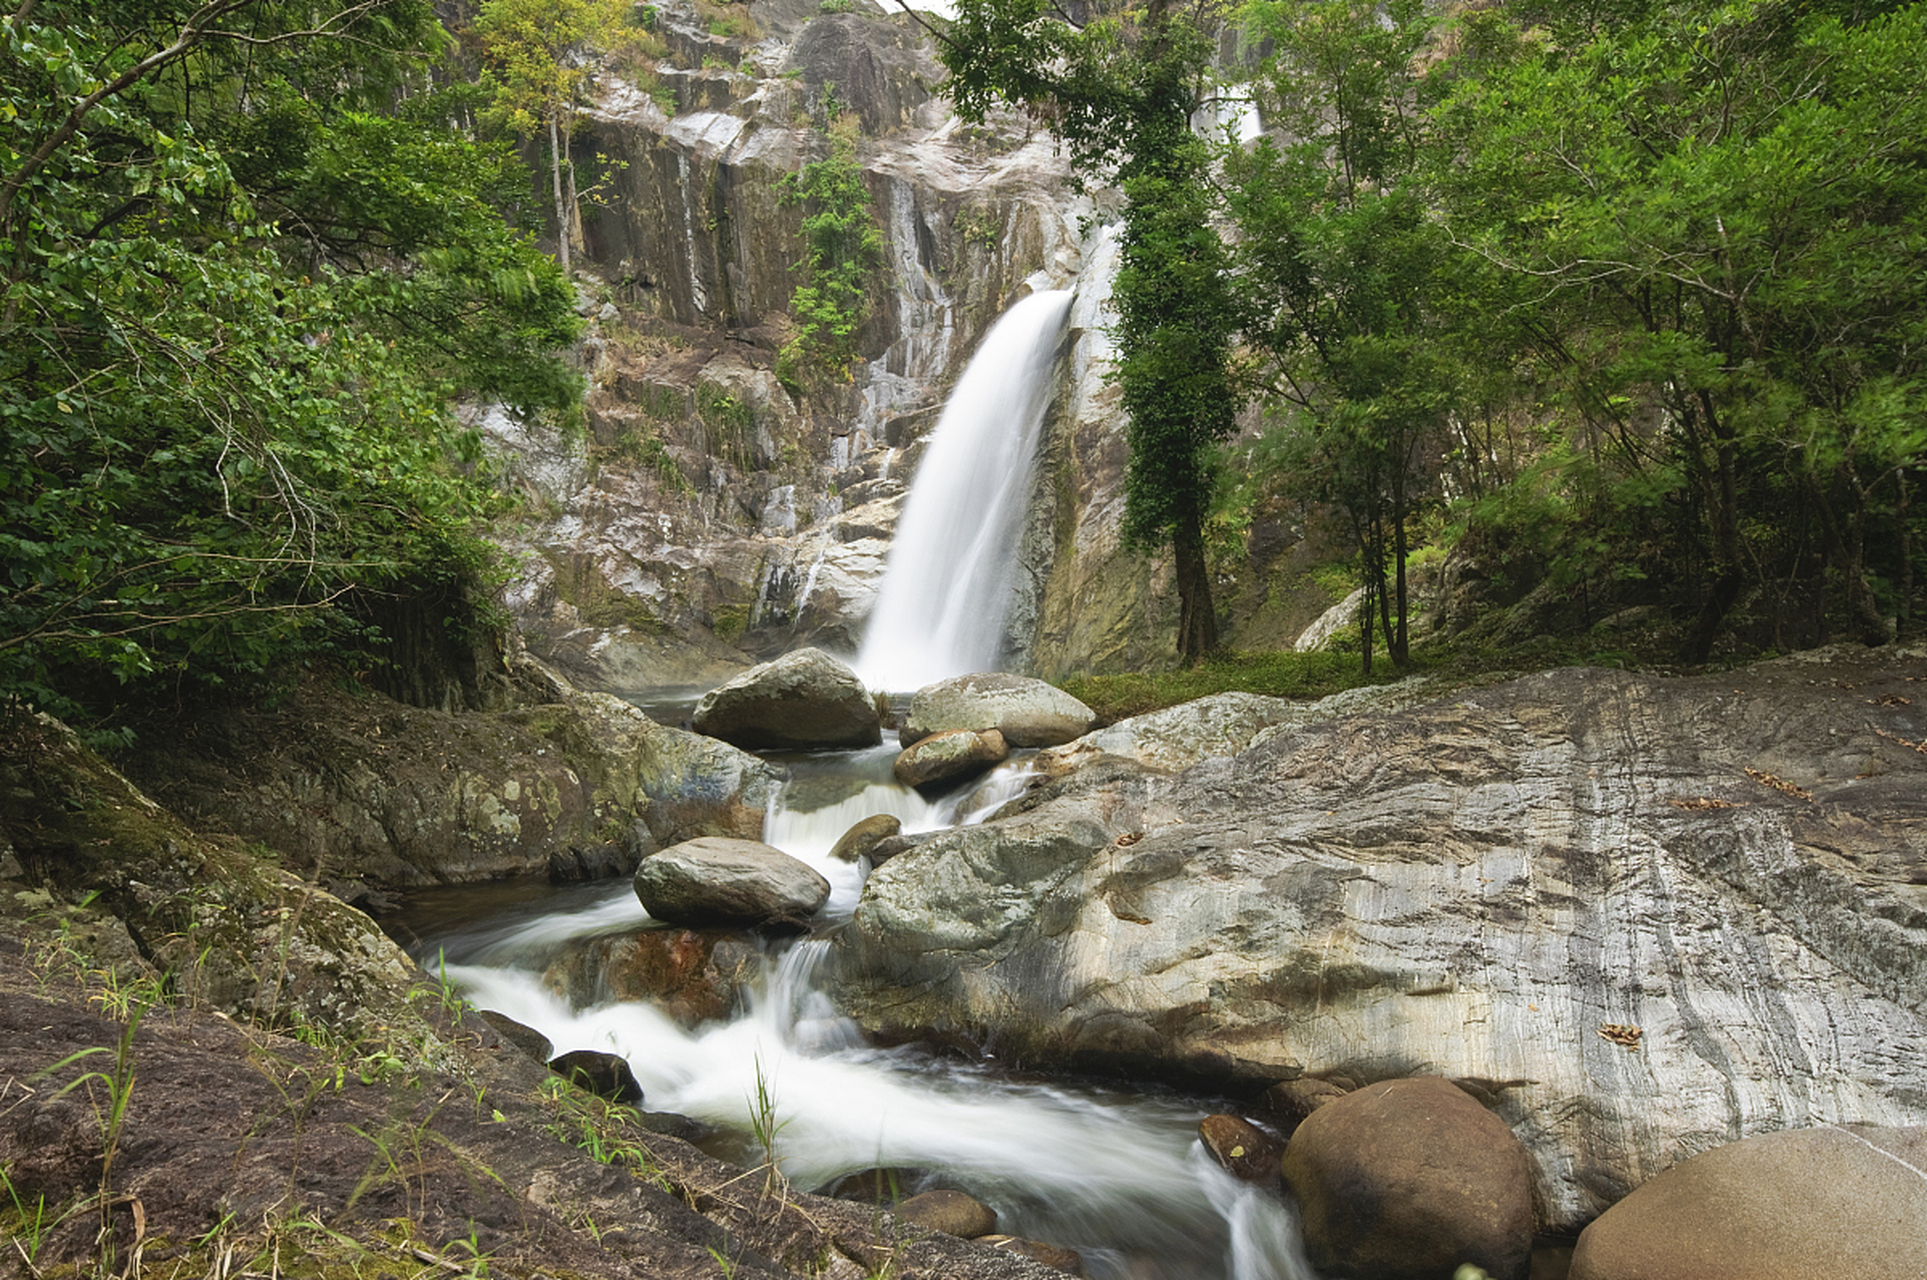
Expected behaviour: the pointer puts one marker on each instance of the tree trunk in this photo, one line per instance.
(1367, 607)
(1398, 637)
(1724, 497)
(570, 200)
(1904, 620)
(561, 208)
(1197, 619)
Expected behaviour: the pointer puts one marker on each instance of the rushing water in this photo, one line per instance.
(1116, 1174)
(946, 590)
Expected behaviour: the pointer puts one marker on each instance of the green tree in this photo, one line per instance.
(1121, 90)
(536, 54)
(1340, 271)
(239, 294)
(1719, 213)
(842, 248)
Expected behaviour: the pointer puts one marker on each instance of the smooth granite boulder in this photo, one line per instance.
(717, 881)
(802, 699)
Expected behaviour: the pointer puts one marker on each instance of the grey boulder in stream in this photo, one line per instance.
(801, 700)
(717, 881)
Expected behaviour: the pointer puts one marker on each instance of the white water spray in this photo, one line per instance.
(947, 588)
(1122, 1179)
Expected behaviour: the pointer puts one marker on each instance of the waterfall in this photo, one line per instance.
(947, 586)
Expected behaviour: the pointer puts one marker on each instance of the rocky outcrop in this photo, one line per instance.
(1027, 712)
(802, 699)
(140, 895)
(1408, 1180)
(1847, 1200)
(944, 758)
(1223, 724)
(709, 499)
(1645, 916)
(373, 794)
(729, 882)
(689, 975)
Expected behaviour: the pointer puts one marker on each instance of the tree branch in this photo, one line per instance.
(917, 17)
(191, 33)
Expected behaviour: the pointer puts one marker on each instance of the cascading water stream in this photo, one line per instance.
(946, 589)
(1120, 1177)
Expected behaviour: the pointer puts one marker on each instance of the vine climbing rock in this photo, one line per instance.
(1846, 1200)
(802, 699)
(1409, 1179)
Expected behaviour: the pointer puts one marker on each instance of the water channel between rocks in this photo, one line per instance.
(1117, 1173)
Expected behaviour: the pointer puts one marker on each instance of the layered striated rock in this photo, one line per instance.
(1643, 916)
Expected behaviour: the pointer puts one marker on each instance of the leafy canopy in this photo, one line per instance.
(243, 279)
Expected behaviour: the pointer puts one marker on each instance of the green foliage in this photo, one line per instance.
(1714, 219)
(602, 1129)
(537, 69)
(1276, 674)
(238, 299)
(842, 250)
(1344, 281)
(1120, 91)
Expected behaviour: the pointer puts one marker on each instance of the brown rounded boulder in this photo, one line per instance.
(944, 758)
(1408, 1180)
(1241, 1148)
(1836, 1201)
(865, 836)
(951, 1212)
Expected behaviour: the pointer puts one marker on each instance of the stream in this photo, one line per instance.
(1116, 1173)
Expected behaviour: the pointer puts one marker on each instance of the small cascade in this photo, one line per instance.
(809, 586)
(946, 590)
(1121, 1178)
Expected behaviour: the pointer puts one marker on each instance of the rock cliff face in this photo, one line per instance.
(1646, 915)
(710, 514)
